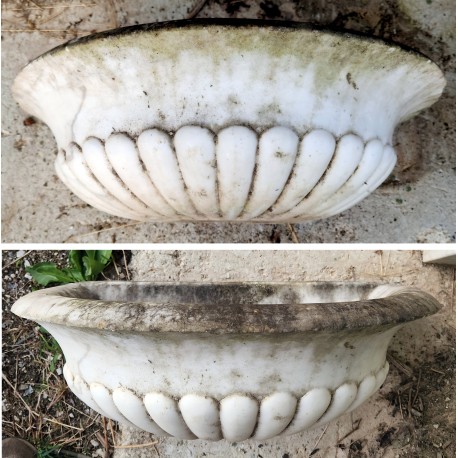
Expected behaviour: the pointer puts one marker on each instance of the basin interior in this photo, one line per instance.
(228, 293)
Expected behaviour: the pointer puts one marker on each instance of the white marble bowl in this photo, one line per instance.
(231, 360)
(225, 121)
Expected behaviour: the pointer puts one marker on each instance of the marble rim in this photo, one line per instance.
(233, 23)
(76, 305)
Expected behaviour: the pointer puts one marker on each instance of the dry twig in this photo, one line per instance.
(358, 422)
(31, 412)
(75, 32)
(115, 266)
(197, 8)
(318, 441)
(56, 5)
(62, 424)
(148, 444)
(438, 372)
(125, 264)
(16, 260)
(293, 233)
(400, 405)
(399, 366)
(112, 432)
(121, 226)
(105, 438)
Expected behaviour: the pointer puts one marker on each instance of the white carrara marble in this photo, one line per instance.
(271, 123)
(239, 415)
(165, 412)
(229, 361)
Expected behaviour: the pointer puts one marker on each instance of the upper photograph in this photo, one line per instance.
(228, 121)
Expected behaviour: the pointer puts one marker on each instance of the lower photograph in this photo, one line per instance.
(228, 353)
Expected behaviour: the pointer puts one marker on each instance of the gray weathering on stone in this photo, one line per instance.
(225, 360)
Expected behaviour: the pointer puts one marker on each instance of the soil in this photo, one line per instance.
(36, 403)
(424, 395)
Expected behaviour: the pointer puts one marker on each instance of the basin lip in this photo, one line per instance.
(60, 305)
(230, 23)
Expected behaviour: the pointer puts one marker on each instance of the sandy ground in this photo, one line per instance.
(416, 204)
(421, 356)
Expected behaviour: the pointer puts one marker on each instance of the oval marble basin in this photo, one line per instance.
(229, 360)
(223, 120)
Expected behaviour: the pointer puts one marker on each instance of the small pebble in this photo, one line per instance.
(94, 443)
(28, 391)
(59, 371)
(436, 426)
(20, 253)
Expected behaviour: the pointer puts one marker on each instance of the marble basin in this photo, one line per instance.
(224, 360)
(217, 120)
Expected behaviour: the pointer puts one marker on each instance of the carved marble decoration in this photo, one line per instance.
(224, 361)
(273, 122)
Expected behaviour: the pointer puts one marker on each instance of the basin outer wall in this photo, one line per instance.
(220, 365)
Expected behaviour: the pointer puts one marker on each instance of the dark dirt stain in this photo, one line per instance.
(233, 6)
(351, 82)
(386, 437)
(29, 121)
(270, 9)
(275, 236)
(420, 144)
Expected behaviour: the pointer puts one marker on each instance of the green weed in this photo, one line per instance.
(84, 265)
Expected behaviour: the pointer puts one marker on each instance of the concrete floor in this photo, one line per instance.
(416, 204)
(416, 345)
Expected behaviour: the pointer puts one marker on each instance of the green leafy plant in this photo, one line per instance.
(50, 347)
(84, 265)
(47, 450)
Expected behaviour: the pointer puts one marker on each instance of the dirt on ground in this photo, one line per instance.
(37, 405)
(420, 393)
